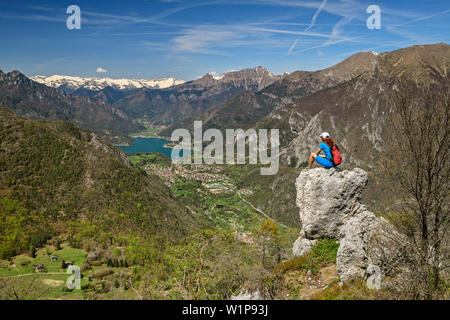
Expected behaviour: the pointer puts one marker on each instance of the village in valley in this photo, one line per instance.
(209, 191)
(211, 177)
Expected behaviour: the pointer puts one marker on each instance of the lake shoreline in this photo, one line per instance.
(134, 137)
(149, 145)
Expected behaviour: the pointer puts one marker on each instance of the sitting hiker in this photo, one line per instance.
(331, 154)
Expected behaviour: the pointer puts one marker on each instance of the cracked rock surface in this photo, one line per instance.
(329, 207)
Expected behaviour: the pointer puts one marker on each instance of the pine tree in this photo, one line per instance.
(32, 251)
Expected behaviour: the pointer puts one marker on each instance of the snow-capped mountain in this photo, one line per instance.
(70, 83)
(37, 101)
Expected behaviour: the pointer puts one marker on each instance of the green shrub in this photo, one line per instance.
(39, 238)
(323, 252)
(85, 266)
(101, 273)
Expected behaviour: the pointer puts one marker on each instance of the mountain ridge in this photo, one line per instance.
(40, 102)
(246, 108)
(167, 106)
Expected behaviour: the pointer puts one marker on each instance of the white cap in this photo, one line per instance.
(324, 135)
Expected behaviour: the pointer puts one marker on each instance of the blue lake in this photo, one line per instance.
(150, 145)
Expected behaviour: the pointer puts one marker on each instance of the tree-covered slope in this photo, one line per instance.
(54, 175)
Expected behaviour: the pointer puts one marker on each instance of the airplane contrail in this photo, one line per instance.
(292, 47)
(313, 22)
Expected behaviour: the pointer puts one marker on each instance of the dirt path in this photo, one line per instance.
(34, 273)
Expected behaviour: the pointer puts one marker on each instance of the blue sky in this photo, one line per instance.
(186, 39)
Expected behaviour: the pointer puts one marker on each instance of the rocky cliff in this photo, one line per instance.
(329, 203)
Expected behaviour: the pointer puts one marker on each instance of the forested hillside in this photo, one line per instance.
(59, 179)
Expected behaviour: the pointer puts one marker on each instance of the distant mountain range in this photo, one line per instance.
(250, 106)
(33, 100)
(170, 105)
(252, 97)
(169, 100)
(71, 84)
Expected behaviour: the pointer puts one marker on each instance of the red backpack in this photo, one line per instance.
(336, 157)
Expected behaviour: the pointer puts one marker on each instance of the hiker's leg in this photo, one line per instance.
(327, 164)
(312, 157)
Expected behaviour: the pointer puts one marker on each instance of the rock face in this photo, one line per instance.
(368, 240)
(329, 203)
(327, 199)
(302, 246)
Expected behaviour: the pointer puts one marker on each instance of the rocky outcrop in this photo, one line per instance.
(327, 199)
(367, 240)
(302, 245)
(329, 203)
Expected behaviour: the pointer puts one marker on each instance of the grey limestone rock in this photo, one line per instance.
(329, 207)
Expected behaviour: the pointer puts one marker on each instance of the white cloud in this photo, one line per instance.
(207, 39)
(101, 70)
